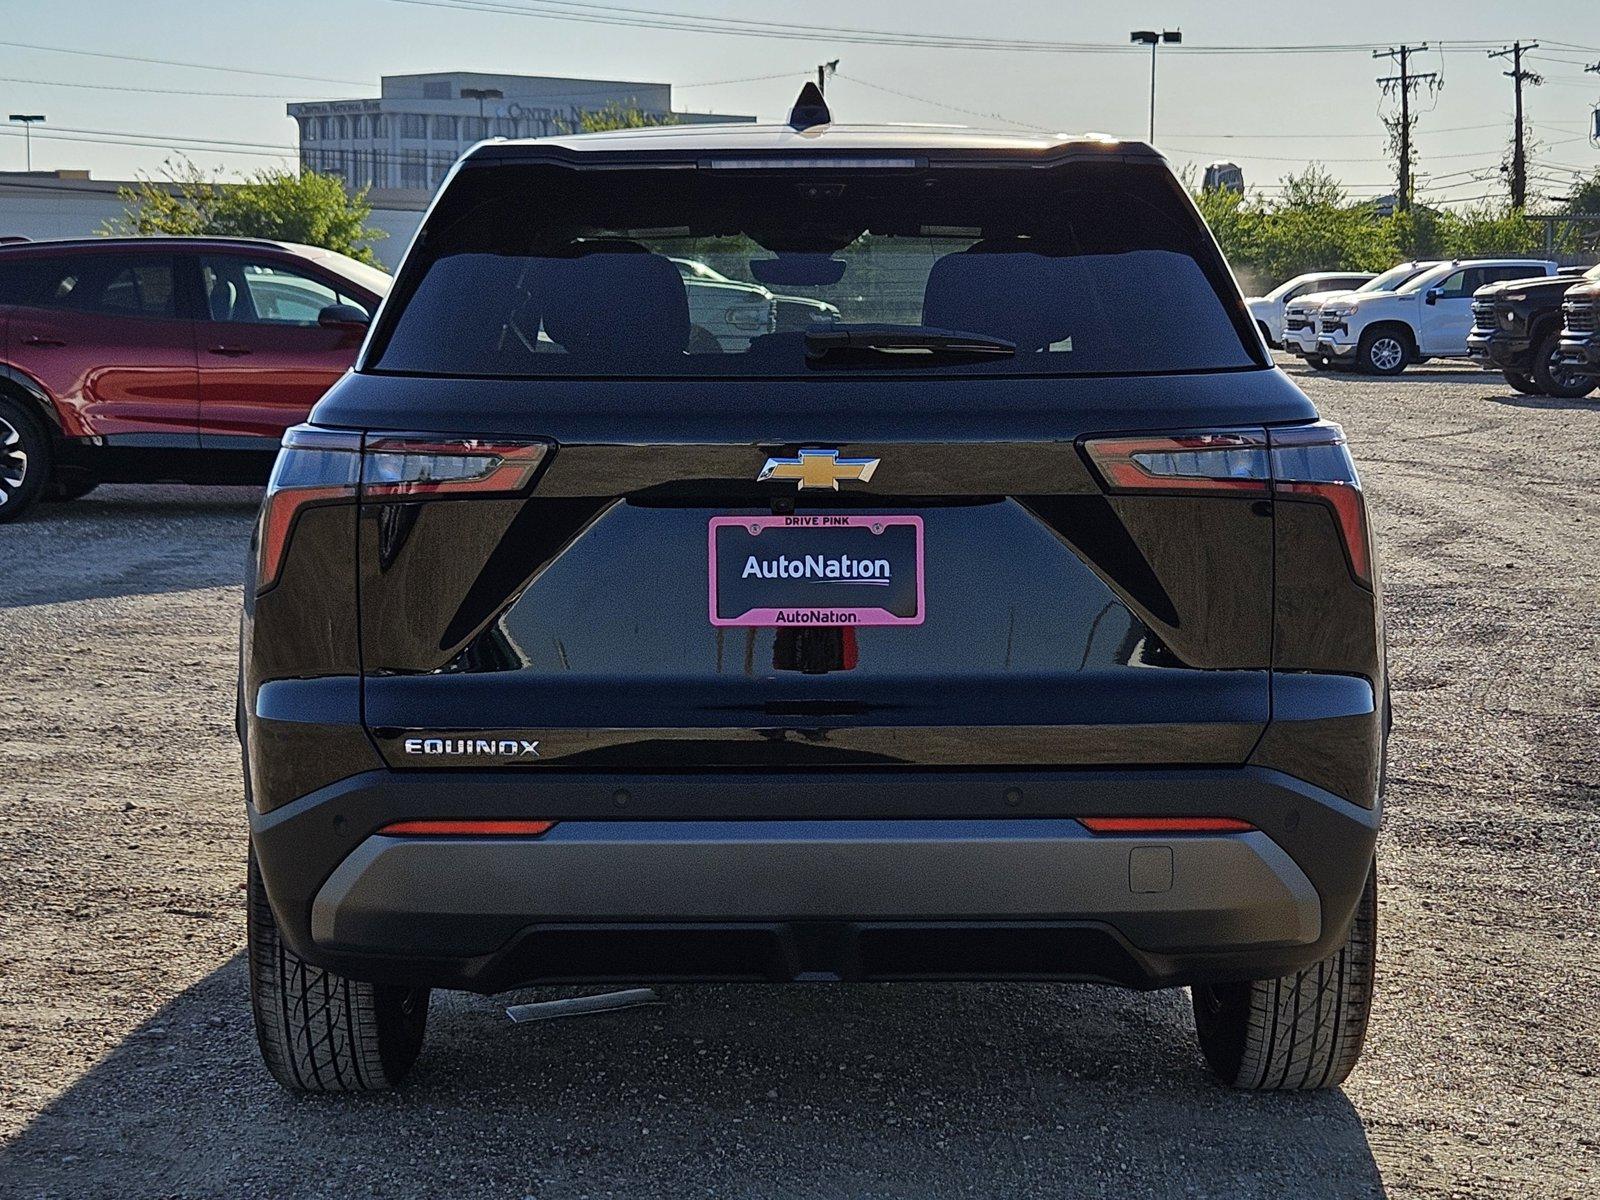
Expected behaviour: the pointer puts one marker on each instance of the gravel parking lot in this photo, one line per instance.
(127, 1060)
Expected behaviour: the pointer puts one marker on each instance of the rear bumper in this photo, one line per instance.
(993, 879)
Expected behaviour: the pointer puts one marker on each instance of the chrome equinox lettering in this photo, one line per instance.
(499, 747)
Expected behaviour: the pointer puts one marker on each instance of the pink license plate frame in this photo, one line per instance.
(806, 616)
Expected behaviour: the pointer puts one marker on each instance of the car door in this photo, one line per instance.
(1447, 313)
(103, 332)
(264, 359)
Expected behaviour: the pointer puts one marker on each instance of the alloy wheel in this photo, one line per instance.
(1387, 353)
(13, 460)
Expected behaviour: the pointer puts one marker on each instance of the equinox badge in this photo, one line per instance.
(819, 469)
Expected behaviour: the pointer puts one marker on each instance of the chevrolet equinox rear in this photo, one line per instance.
(1016, 620)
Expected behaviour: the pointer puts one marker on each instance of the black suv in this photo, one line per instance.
(1516, 329)
(985, 630)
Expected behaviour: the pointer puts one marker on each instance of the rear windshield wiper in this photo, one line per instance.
(910, 343)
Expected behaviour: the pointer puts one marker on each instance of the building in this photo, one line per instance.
(409, 135)
(69, 204)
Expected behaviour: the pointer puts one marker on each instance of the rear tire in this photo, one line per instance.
(1383, 351)
(24, 460)
(1554, 379)
(1300, 1032)
(321, 1032)
(1522, 383)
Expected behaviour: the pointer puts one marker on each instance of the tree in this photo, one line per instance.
(619, 116)
(306, 207)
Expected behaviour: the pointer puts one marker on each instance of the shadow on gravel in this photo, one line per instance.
(903, 1091)
(1591, 401)
(127, 541)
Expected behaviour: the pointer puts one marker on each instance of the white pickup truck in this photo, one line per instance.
(1300, 315)
(1268, 310)
(1428, 316)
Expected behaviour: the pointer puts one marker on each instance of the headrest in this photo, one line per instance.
(616, 301)
(1005, 288)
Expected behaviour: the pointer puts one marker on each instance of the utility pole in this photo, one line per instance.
(1519, 155)
(1404, 83)
(823, 71)
(26, 120)
(1149, 37)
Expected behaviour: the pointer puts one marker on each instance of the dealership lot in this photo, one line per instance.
(128, 1063)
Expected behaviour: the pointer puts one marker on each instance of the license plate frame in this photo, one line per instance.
(822, 613)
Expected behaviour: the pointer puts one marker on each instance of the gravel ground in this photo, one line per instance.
(127, 1061)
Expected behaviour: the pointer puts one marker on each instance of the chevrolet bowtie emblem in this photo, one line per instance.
(819, 469)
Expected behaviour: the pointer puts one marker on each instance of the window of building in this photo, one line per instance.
(444, 129)
(308, 129)
(414, 169)
(413, 125)
(380, 127)
(324, 128)
(436, 89)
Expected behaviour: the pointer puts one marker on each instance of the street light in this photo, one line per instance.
(480, 95)
(1149, 37)
(27, 120)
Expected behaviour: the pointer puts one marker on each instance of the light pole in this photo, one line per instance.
(27, 120)
(480, 95)
(1149, 37)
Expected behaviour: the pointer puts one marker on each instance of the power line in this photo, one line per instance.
(169, 62)
(112, 87)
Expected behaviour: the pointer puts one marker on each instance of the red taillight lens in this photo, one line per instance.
(1311, 462)
(315, 466)
(325, 466)
(1299, 462)
(466, 828)
(1164, 825)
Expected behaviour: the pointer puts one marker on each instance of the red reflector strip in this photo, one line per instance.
(1165, 825)
(466, 828)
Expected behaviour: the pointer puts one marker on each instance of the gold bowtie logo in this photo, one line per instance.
(819, 469)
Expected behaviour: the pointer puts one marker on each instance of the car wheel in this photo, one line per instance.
(1522, 383)
(321, 1032)
(1553, 378)
(1299, 1032)
(1382, 352)
(24, 460)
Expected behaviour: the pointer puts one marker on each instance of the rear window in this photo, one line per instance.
(544, 271)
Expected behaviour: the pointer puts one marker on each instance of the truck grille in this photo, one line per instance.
(1483, 316)
(1295, 322)
(1579, 316)
(1332, 325)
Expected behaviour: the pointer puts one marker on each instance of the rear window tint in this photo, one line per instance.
(133, 285)
(537, 271)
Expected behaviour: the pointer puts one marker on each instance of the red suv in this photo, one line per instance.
(184, 359)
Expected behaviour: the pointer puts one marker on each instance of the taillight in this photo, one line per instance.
(314, 467)
(1300, 462)
(1311, 462)
(324, 466)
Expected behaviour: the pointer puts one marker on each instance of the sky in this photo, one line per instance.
(1271, 110)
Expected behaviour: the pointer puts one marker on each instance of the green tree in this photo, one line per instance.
(306, 207)
(620, 116)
